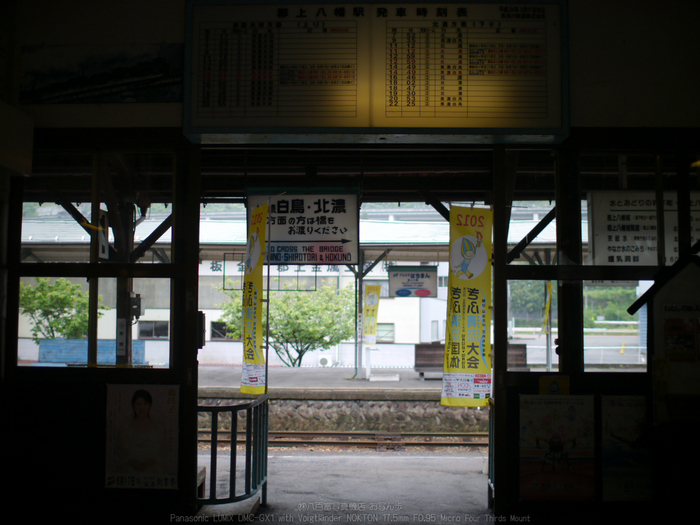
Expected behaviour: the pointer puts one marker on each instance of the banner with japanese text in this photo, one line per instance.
(253, 378)
(371, 310)
(467, 369)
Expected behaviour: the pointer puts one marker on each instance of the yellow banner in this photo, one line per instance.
(371, 310)
(253, 379)
(467, 371)
(547, 306)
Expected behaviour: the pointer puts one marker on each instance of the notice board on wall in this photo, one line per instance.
(624, 227)
(459, 68)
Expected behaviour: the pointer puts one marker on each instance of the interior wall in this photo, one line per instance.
(632, 63)
(4, 223)
(82, 28)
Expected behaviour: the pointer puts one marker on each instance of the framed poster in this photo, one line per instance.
(557, 454)
(142, 436)
(626, 448)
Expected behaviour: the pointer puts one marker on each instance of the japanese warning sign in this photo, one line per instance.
(467, 370)
(312, 229)
(253, 378)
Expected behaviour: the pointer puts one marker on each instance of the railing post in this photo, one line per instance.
(213, 448)
(234, 453)
(265, 424)
(248, 448)
(255, 452)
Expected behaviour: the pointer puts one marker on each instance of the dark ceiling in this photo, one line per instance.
(64, 162)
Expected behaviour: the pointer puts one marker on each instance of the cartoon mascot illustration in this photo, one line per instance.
(468, 253)
(253, 253)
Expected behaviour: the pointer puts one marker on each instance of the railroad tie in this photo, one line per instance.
(388, 441)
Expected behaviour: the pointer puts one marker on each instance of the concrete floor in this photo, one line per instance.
(367, 487)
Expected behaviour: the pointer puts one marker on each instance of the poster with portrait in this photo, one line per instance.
(142, 436)
(467, 368)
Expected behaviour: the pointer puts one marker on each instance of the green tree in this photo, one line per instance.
(300, 322)
(58, 309)
(609, 302)
(527, 302)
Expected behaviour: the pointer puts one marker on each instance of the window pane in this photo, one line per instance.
(53, 232)
(53, 323)
(435, 330)
(144, 183)
(614, 341)
(385, 332)
(218, 330)
(145, 329)
(533, 325)
(153, 327)
(160, 329)
(527, 216)
(50, 234)
(107, 320)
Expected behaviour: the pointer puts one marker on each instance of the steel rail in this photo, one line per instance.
(360, 439)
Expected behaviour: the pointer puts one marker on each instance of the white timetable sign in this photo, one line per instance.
(624, 227)
(355, 67)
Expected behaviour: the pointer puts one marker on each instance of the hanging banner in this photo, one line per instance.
(547, 308)
(467, 369)
(371, 310)
(253, 378)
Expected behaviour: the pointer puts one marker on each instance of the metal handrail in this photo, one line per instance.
(255, 469)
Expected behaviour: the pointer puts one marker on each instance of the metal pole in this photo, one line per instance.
(360, 308)
(267, 311)
(94, 258)
(549, 329)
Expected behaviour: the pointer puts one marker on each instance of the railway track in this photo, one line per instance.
(378, 440)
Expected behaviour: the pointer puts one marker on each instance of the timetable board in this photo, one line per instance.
(359, 67)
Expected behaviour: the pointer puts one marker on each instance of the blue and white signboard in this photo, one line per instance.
(413, 281)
